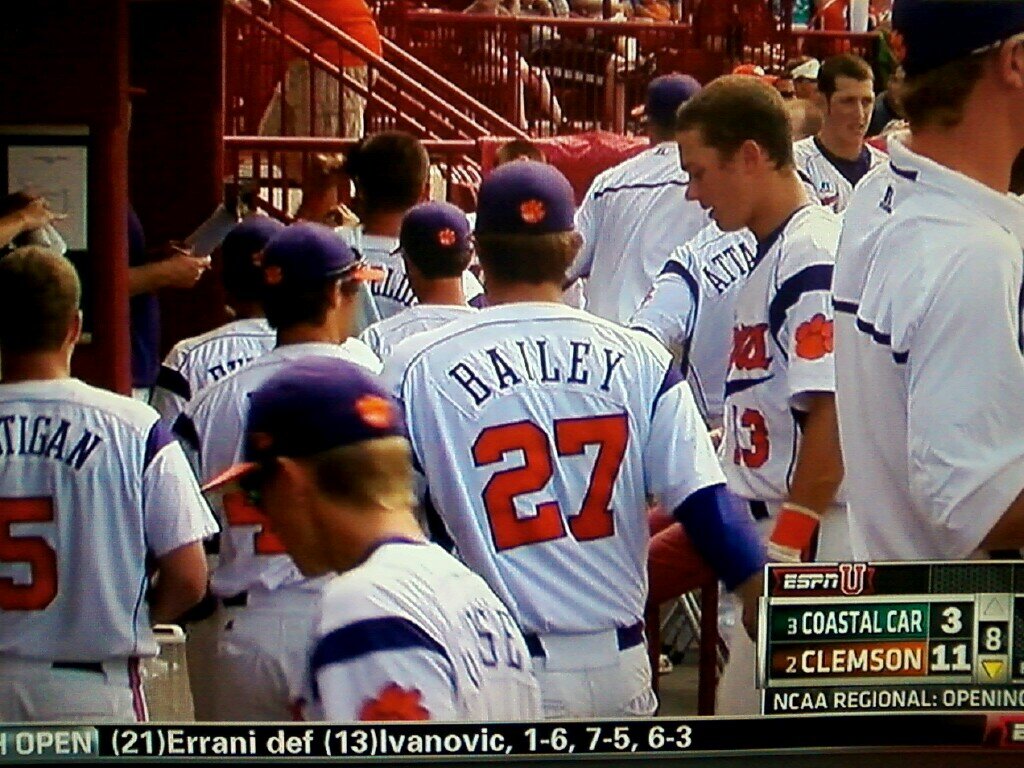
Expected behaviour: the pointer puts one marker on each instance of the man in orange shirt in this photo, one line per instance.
(338, 111)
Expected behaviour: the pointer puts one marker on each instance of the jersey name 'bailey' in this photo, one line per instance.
(491, 372)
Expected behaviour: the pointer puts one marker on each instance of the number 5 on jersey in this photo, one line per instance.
(572, 436)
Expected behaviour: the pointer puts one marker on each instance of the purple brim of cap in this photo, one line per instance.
(231, 475)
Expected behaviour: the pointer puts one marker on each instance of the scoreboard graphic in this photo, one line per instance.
(884, 637)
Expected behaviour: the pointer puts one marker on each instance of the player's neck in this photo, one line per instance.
(38, 366)
(782, 194)
(840, 146)
(309, 334)
(362, 531)
(244, 310)
(442, 292)
(987, 162)
(384, 224)
(517, 293)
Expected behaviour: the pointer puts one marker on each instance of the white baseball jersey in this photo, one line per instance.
(633, 214)
(213, 425)
(540, 430)
(829, 179)
(196, 362)
(90, 482)
(412, 634)
(382, 337)
(690, 308)
(928, 295)
(781, 350)
(393, 293)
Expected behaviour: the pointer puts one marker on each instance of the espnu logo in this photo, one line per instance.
(849, 579)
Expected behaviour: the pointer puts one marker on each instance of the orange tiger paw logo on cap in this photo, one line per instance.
(375, 411)
(447, 237)
(272, 275)
(532, 211)
(393, 702)
(814, 338)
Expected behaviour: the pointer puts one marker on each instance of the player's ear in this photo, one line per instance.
(74, 330)
(575, 244)
(750, 154)
(1011, 62)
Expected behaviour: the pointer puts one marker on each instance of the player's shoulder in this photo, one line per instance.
(805, 148)
(359, 352)
(186, 349)
(876, 155)
(810, 237)
(133, 414)
(655, 166)
(217, 393)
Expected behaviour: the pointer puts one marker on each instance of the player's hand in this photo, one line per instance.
(795, 532)
(37, 214)
(749, 592)
(182, 269)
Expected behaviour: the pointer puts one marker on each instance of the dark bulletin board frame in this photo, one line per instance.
(61, 136)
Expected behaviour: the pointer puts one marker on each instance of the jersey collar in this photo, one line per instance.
(1005, 210)
(763, 246)
(389, 540)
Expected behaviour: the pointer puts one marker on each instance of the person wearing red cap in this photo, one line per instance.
(635, 213)
(927, 291)
(404, 631)
(540, 431)
(310, 293)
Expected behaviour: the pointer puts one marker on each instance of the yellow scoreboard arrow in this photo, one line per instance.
(992, 668)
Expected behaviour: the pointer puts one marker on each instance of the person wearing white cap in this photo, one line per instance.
(805, 79)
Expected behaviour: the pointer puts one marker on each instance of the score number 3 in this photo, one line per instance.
(594, 520)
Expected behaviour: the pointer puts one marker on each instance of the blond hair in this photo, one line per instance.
(373, 474)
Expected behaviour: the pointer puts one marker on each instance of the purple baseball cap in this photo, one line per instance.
(307, 253)
(665, 95)
(240, 253)
(313, 405)
(936, 32)
(435, 230)
(525, 198)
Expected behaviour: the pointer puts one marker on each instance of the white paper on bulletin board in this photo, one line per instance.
(59, 174)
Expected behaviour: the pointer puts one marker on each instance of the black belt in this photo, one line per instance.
(628, 637)
(236, 601)
(758, 510)
(80, 666)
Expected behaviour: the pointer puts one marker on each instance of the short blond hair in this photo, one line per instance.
(39, 298)
(373, 474)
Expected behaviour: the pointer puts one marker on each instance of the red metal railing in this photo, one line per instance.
(547, 75)
(276, 84)
(259, 165)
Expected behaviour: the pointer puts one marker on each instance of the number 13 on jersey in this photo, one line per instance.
(595, 520)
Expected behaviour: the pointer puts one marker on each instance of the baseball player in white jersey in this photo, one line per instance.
(780, 448)
(310, 292)
(927, 292)
(436, 246)
(406, 632)
(540, 430)
(831, 163)
(690, 309)
(637, 212)
(90, 484)
(195, 362)
(390, 172)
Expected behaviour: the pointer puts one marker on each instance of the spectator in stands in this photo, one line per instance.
(339, 110)
(785, 86)
(496, 61)
(320, 198)
(518, 149)
(805, 118)
(804, 72)
(887, 107)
